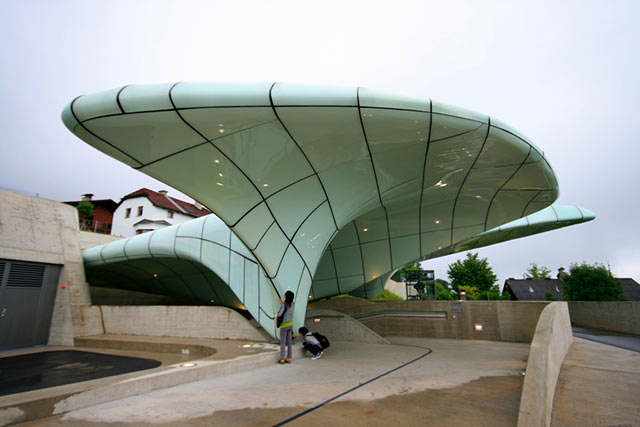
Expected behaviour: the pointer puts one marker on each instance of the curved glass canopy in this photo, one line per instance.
(321, 190)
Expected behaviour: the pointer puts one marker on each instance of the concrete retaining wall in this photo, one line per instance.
(616, 316)
(170, 321)
(549, 347)
(89, 240)
(341, 327)
(40, 230)
(499, 320)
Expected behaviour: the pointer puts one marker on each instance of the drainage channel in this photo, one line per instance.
(337, 396)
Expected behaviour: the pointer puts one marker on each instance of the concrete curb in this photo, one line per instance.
(549, 347)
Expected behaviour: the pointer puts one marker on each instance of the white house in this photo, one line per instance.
(147, 210)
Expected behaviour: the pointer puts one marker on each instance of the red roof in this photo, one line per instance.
(168, 202)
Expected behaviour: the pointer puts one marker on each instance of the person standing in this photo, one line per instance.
(285, 320)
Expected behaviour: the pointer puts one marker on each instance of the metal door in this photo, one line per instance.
(27, 290)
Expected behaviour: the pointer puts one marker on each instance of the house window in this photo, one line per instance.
(127, 214)
(139, 210)
(170, 214)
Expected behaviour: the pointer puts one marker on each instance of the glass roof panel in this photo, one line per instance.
(146, 136)
(380, 99)
(197, 172)
(135, 98)
(398, 142)
(292, 205)
(333, 141)
(194, 95)
(97, 104)
(305, 94)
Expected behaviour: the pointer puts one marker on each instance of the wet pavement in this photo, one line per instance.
(44, 369)
(626, 341)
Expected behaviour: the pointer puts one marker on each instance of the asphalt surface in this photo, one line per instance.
(44, 369)
(626, 341)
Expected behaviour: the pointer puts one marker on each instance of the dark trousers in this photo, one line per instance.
(313, 349)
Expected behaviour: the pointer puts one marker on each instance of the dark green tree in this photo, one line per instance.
(85, 209)
(443, 290)
(592, 283)
(535, 272)
(472, 271)
(550, 296)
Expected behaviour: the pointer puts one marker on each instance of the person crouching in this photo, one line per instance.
(311, 343)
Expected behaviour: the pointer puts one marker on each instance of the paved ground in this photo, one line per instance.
(599, 385)
(449, 382)
(626, 341)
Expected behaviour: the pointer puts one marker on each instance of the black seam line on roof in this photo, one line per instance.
(424, 169)
(540, 152)
(362, 384)
(290, 240)
(335, 269)
(409, 235)
(375, 175)
(244, 279)
(300, 281)
(455, 203)
(459, 134)
(535, 196)
(199, 267)
(229, 268)
(166, 110)
(175, 240)
(265, 313)
(526, 190)
(506, 165)
(270, 196)
(217, 244)
(243, 173)
(236, 166)
(208, 141)
(486, 219)
(364, 273)
(201, 237)
(342, 277)
(398, 185)
(262, 237)
(275, 112)
(96, 136)
(215, 107)
(118, 98)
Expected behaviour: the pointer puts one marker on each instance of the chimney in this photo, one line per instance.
(163, 192)
(87, 197)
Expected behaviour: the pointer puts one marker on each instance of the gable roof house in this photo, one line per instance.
(147, 210)
(536, 289)
(102, 217)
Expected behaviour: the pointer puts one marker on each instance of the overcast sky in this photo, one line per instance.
(566, 74)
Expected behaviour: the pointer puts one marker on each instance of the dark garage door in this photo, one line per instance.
(27, 290)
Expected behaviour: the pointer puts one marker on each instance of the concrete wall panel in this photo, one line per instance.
(616, 316)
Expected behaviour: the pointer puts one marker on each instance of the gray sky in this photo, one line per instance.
(566, 74)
